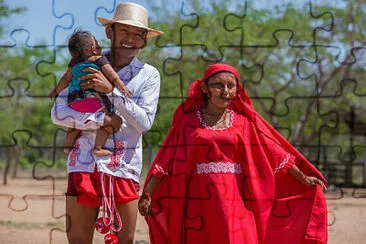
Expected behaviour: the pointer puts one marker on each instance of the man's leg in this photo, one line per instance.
(80, 220)
(128, 213)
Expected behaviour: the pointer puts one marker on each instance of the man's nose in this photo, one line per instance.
(129, 38)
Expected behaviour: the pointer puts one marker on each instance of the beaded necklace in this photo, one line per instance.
(222, 118)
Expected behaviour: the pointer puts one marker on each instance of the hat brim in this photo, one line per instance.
(150, 32)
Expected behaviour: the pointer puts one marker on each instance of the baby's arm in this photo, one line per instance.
(62, 84)
(113, 77)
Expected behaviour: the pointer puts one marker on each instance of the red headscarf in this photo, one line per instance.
(240, 104)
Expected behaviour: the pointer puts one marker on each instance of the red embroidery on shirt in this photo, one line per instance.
(74, 153)
(115, 160)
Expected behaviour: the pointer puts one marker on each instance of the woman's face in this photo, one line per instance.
(220, 89)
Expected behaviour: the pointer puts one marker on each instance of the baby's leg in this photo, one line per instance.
(111, 124)
(71, 136)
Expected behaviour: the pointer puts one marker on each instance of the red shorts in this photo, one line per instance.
(88, 188)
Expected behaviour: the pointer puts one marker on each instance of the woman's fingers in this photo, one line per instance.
(321, 183)
(313, 181)
(144, 207)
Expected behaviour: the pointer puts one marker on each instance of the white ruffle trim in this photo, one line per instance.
(285, 161)
(220, 167)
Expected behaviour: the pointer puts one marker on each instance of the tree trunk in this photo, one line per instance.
(6, 171)
(15, 168)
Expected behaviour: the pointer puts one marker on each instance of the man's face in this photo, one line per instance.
(126, 40)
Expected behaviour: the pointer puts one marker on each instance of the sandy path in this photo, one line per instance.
(38, 218)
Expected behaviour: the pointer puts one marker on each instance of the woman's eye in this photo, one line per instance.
(215, 85)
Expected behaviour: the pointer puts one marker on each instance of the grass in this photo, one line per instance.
(30, 225)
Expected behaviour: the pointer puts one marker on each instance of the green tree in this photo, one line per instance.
(298, 63)
(26, 130)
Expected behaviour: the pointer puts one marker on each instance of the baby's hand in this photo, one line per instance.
(121, 86)
(52, 94)
(124, 90)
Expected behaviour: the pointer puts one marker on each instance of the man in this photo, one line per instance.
(128, 32)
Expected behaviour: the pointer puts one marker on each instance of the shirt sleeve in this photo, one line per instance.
(167, 154)
(63, 115)
(140, 113)
(102, 61)
(280, 160)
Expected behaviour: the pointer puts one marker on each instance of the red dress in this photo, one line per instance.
(212, 193)
(231, 185)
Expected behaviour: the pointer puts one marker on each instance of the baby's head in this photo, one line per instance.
(82, 45)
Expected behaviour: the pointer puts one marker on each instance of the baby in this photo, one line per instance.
(86, 52)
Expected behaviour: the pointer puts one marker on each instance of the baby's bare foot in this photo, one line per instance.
(102, 152)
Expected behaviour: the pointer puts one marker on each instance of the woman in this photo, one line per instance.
(224, 175)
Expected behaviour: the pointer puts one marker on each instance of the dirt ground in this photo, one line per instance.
(32, 211)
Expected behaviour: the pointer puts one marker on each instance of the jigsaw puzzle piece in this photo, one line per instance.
(266, 20)
(85, 20)
(205, 17)
(39, 14)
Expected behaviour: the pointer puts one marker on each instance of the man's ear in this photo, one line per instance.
(109, 32)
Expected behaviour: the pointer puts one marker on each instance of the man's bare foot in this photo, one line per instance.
(102, 152)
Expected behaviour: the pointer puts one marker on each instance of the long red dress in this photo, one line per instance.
(231, 185)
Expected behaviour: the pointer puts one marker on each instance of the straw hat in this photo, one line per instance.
(131, 14)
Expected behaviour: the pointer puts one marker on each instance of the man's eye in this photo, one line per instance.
(139, 36)
(124, 32)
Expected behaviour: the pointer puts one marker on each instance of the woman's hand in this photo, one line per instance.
(145, 205)
(96, 80)
(313, 181)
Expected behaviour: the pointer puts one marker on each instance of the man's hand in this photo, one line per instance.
(96, 80)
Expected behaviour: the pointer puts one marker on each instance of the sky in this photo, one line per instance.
(51, 22)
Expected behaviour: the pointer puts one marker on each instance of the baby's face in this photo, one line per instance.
(97, 49)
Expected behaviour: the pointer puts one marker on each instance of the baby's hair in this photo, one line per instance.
(79, 44)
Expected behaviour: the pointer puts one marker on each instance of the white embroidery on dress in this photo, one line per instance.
(160, 169)
(220, 167)
(203, 123)
(285, 161)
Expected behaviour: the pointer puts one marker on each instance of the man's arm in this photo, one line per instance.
(63, 115)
